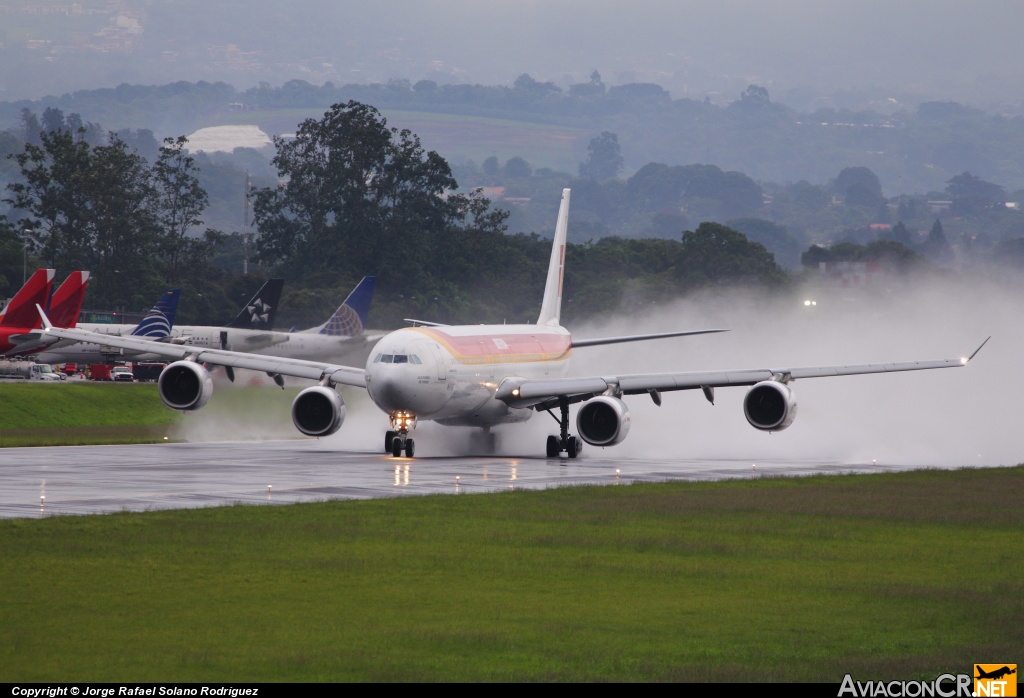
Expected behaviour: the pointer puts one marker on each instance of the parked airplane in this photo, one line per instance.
(485, 375)
(156, 325)
(20, 322)
(339, 338)
(64, 306)
(257, 314)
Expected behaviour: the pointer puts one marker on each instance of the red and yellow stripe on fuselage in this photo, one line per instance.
(502, 344)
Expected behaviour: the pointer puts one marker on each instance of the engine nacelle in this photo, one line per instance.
(603, 421)
(770, 406)
(318, 411)
(185, 385)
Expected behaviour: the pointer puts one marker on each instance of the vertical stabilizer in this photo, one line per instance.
(66, 303)
(258, 314)
(21, 311)
(160, 319)
(349, 320)
(551, 308)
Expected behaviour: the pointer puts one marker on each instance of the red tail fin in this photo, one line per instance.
(21, 311)
(67, 301)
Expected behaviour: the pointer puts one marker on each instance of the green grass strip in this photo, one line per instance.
(884, 576)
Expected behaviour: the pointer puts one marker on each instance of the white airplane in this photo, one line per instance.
(485, 375)
(340, 338)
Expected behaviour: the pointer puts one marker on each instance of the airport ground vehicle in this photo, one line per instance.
(100, 372)
(122, 374)
(147, 372)
(28, 370)
(69, 369)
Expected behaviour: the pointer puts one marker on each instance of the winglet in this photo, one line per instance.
(977, 350)
(551, 308)
(46, 321)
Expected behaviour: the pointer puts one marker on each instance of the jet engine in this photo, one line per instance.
(318, 411)
(603, 421)
(185, 385)
(770, 406)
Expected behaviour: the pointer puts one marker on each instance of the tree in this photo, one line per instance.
(605, 158)
(360, 198)
(490, 166)
(717, 254)
(755, 96)
(518, 168)
(853, 176)
(936, 246)
(180, 200)
(30, 126)
(104, 209)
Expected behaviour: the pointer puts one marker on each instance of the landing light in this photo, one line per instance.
(515, 392)
(963, 360)
(809, 303)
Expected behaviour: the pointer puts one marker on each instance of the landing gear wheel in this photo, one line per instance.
(396, 447)
(389, 436)
(573, 447)
(553, 447)
(410, 448)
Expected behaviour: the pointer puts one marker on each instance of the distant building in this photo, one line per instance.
(853, 274)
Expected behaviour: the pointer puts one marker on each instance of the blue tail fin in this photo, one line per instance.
(159, 321)
(349, 319)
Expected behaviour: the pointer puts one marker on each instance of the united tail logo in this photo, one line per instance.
(995, 680)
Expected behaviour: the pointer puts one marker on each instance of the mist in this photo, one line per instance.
(939, 49)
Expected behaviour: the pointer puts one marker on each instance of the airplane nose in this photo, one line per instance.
(396, 389)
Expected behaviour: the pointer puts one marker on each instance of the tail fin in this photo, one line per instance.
(66, 304)
(160, 319)
(551, 308)
(349, 320)
(21, 311)
(258, 313)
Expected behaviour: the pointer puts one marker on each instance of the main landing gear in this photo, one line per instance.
(397, 440)
(571, 445)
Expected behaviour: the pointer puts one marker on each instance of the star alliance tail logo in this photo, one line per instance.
(259, 312)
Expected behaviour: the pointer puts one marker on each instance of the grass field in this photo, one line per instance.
(76, 413)
(884, 576)
(455, 136)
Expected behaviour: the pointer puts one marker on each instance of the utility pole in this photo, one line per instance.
(245, 228)
(24, 259)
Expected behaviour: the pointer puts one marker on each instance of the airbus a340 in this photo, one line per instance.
(486, 375)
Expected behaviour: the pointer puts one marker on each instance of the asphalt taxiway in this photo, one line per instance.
(38, 482)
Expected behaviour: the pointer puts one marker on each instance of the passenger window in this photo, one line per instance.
(401, 359)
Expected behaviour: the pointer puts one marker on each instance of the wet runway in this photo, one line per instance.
(38, 482)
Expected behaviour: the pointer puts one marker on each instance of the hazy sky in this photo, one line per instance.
(952, 49)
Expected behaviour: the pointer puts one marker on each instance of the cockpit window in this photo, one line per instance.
(386, 358)
(376, 359)
(413, 359)
(401, 359)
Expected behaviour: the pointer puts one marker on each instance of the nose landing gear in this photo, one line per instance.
(397, 439)
(571, 445)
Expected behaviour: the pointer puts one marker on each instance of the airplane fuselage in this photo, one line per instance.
(450, 374)
(293, 345)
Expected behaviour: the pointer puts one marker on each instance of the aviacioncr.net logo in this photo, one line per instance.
(945, 686)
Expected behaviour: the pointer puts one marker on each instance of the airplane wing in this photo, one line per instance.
(576, 343)
(545, 393)
(314, 370)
